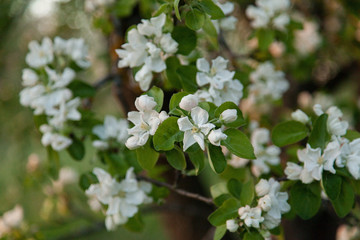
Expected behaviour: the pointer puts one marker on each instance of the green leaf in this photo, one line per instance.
(195, 19)
(306, 199)
(218, 189)
(164, 8)
(172, 63)
(53, 162)
(147, 156)
(253, 235)
(332, 185)
(40, 120)
(218, 201)
(176, 7)
(86, 180)
(158, 96)
(117, 163)
(344, 203)
(240, 121)
(319, 135)
(188, 78)
(210, 29)
(176, 99)
(229, 209)
(265, 38)
(167, 133)
(212, 9)
(196, 155)
(186, 38)
(135, 224)
(238, 143)
(176, 158)
(234, 186)
(247, 192)
(216, 158)
(352, 135)
(81, 89)
(76, 149)
(220, 232)
(289, 132)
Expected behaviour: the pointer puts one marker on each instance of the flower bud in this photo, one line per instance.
(231, 225)
(29, 77)
(145, 103)
(300, 116)
(229, 115)
(262, 188)
(216, 136)
(188, 102)
(293, 171)
(265, 203)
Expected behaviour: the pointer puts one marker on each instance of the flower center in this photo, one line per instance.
(320, 160)
(212, 71)
(195, 129)
(144, 126)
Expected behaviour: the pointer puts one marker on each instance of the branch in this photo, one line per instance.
(103, 81)
(176, 190)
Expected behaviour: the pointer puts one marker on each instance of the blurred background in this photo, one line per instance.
(49, 212)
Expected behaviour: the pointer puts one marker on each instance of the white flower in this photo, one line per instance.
(300, 116)
(29, 77)
(265, 203)
(315, 162)
(14, 217)
(231, 225)
(168, 44)
(105, 189)
(308, 39)
(29, 94)
(57, 141)
(78, 52)
(237, 162)
(60, 80)
(271, 222)
(281, 21)
(40, 55)
(228, 116)
(352, 158)
(335, 125)
(216, 136)
(259, 16)
(228, 23)
(196, 131)
(145, 103)
(152, 26)
(293, 171)
(262, 188)
(251, 216)
(188, 102)
(66, 111)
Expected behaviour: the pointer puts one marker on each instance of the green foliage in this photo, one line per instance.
(332, 185)
(172, 63)
(147, 156)
(188, 78)
(186, 38)
(265, 38)
(197, 157)
(306, 199)
(229, 209)
(235, 187)
(352, 135)
(176, 7)
(220, 232)
(176, 159)
(289, 132)
(86, 180)
(135, 224)
(76, 149)
(253, 235)
(167, 134)
(212, 9)
(319, 135)
(216, 158)
(247, 192)
(53, 162)
(345, 201)
(116, 163)
(176, 99)
(195, 19)
(238, 143)
(158, 96)
(81, 89)
(240, 121)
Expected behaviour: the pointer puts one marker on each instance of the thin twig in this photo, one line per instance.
(282, 179)
(103, 81)
(178, 191)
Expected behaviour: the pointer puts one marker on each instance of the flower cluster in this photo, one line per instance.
(147, 47)
(146, 121)
(266, 215)
(267, 83)
(269, 13)
(122, 198)
(229, 22)
(46, 82)
(112, 130)
(339, 151)
(217, 83)
(11, 219)
(265, 154)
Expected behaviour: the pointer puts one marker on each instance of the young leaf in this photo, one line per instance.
(186, 38)
(188, 78)
(212, 9)
(352, 135)
(81, 89)
(167, 133)
(229, 209)
(135, 224)
(76, 149)
(253, 235)
(240, 121)
(86, 180)
(344, 203)
(306, 199)
(158, 96)
(197, 157)
(238, 143)
(176, 7)
(332, 185)
(289, 132)
(53, 162)
(195, 19)
(220, 232)
(265, 38)
(247, 193)
(216, 158)
(319, 135)
(234, 186)
(176, 158)
(147, 156)
(172, 63)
